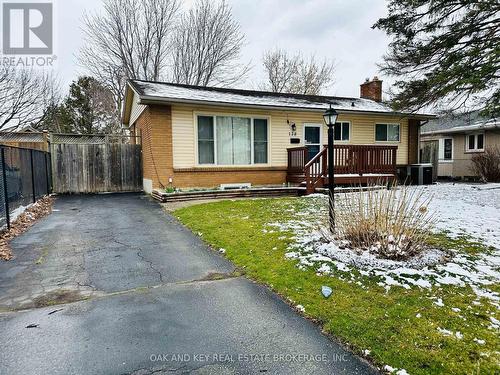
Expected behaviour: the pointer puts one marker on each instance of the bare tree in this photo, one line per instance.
(24, 96)
(280, 69)
(129, 39)
(207, 45)
(296, 74)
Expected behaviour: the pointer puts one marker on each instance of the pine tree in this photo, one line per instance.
(444, 53)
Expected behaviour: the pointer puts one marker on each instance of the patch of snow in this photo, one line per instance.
(324, 269)
(300, 308)
(439, 302)
(444, 331)
(389, 368)
(480, 342)
(222, 251)
(418, 315)
(495, 324)
(366, 352)
(462, 210)
(18, 211)
(455, 309)
(402, 372)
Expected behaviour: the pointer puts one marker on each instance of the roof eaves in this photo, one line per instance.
(463, 129)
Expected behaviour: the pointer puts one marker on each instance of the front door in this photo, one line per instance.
(312, 139)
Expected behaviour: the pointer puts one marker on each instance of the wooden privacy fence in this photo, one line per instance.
(96, 167)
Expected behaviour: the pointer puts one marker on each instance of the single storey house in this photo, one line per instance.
(451, 141)
(207, 136)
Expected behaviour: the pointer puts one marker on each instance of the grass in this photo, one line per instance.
(369, 317)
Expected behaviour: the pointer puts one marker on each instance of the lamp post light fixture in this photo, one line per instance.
(330, 117)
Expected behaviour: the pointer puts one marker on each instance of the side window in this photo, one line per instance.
(448, 148)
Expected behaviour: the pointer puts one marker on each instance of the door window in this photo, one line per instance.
(312, 140)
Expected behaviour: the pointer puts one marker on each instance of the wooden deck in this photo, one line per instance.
(353, 165)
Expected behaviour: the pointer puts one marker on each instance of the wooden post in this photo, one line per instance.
(5, 189)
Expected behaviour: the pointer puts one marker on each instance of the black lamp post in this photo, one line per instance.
(330, 117)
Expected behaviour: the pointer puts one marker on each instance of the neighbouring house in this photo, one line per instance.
(450, 142)
(206, 136)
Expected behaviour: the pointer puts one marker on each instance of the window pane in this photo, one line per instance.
(224, 134)
(260, 130)
(312, 134)
(480, 141)
(448, 148)
(260, 141)
(242, 138)
(205, 128)
(393, 132)
(471, 142)
(205, 140)
(206, 152)
(338, 131)
(345, 131)
(381, 132)
(260, 152)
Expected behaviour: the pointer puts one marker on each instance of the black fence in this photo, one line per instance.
(25, 177)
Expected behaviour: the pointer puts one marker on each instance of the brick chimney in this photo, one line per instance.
(372, 89)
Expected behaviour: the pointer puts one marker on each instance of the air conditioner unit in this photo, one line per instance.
(419, 174)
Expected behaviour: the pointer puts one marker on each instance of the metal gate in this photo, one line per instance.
(95, 163)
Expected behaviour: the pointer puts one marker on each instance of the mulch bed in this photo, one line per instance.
(40, 209)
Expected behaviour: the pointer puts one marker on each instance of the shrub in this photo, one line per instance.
(486, 165)
(394, 223)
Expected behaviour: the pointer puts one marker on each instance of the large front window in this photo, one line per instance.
(227, 140)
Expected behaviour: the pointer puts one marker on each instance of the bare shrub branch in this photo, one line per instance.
(394, 224)
(486, 165)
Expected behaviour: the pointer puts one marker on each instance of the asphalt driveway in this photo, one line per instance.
(111, 284)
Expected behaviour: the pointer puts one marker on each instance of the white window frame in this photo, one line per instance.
(214, 124)
(386, 124)
(475, 149)
(312, 125)
(441, 150)
(342, 131)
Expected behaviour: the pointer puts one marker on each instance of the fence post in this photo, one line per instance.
(32, 177)
(5, 188)
(47, 177)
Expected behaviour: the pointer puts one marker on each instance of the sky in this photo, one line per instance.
(333, 29)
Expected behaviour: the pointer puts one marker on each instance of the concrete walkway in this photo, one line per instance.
(113, 285)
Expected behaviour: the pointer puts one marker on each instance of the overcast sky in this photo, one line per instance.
(333, 29)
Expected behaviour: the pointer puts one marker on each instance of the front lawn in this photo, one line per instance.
(444, 328)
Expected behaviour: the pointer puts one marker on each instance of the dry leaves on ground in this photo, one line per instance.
(41, 208)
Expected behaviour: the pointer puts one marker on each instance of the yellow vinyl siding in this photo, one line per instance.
(362, 131)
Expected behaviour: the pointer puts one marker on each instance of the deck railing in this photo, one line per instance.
(348, 159)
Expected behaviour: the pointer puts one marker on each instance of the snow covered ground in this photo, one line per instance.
(461, 209)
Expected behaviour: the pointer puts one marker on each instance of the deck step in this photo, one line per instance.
(227, 194)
